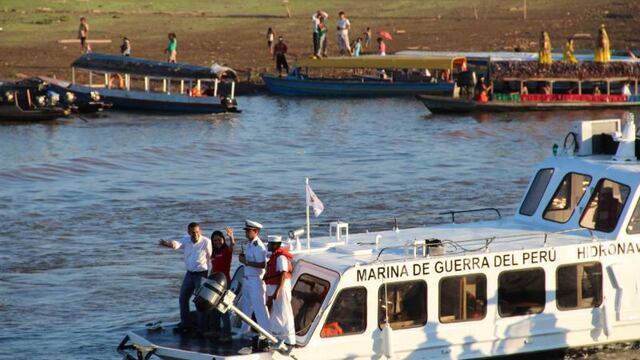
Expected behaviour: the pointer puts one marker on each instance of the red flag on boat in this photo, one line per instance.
(385, 35)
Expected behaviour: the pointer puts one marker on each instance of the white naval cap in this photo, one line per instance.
(275, 238)
(248, 224)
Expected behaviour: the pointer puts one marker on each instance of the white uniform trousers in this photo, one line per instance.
(254, 301)
(281, 317)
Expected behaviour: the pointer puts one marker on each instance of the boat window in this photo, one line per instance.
(536, 191)
(521, 292)
(567, 197)
(348, 315)
(404, 304)
(307, 297)
(605, 206)
(463, 298)
(634, 223)
(579, 286)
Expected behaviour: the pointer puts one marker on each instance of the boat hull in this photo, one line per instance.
(441, 104)
(292, 86)
(151, 101)
(13, 113)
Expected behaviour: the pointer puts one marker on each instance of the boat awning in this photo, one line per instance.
(154, 68)
(384, 62)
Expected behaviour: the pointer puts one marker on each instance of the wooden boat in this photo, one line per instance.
(559, 273)
(146, 85)
(366, 76)
(16, 104)
(443, 104)
(50, 87)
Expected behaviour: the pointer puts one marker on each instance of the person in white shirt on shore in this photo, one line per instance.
(197, 257)
(343, 25)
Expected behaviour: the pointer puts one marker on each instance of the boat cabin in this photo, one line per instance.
(559, 273)
(109, 71)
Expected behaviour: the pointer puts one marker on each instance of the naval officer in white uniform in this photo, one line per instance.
(253, 288)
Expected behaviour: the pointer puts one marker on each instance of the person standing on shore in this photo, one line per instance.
(253, 288)
(83, 35)
(382, 47)
(270, 38)
(125, 47)
(322, 34)
(280, 56)
(315, 21)
(197, 256)
(343, 25)
(357, 47)
(172, 48)
(367, 37)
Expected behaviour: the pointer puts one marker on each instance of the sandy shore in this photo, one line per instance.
(238, 40)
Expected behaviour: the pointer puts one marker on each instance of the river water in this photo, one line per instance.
(83, 203)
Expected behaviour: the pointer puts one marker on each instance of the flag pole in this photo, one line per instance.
(306, 191)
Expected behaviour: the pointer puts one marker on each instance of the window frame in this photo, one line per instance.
(593, 194)
(440, 302)
(544, 303)
(529, 192)
(636, 209)
(601, 286)
(555, 193)
(333, 304)
(426, 303)
(310, 324)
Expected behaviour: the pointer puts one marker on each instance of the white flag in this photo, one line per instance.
(314, 202)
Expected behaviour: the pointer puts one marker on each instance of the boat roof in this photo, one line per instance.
(146, 67)
(485, 56)
(382, 62)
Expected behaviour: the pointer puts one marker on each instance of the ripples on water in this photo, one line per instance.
(84, 203)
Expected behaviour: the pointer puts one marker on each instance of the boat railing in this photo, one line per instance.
(439, 247)
(454, 212)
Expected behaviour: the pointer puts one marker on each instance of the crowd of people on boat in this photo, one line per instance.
(266, 283)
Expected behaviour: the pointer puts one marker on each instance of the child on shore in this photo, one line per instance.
(382, 47)
(83, 35)
(172, 48)
(367, 37)
(357, 47)
(270, 38)
(125, 47)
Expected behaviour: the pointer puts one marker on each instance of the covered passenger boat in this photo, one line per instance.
(559, 86)
(364, 76)
(149, 85)
(559, 273)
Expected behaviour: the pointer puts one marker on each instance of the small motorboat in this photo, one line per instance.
(17, 104)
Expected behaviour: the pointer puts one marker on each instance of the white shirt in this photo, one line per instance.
(197, 257)
(315, 21)
(255, 252)
(343, 24)
(626, 90)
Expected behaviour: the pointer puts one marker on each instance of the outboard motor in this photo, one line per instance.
(230, 103)
(213, 294)
(210, 292)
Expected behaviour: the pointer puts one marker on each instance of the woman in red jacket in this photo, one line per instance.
(221, 262)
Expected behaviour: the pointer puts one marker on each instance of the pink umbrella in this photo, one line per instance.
(385, 35)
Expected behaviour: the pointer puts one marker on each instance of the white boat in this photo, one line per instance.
(560, 273)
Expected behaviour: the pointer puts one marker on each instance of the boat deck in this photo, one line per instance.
(165, 337)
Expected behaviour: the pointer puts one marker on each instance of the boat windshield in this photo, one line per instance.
(605, 206)
(307, 297)
(567, 197)
(536, 191)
